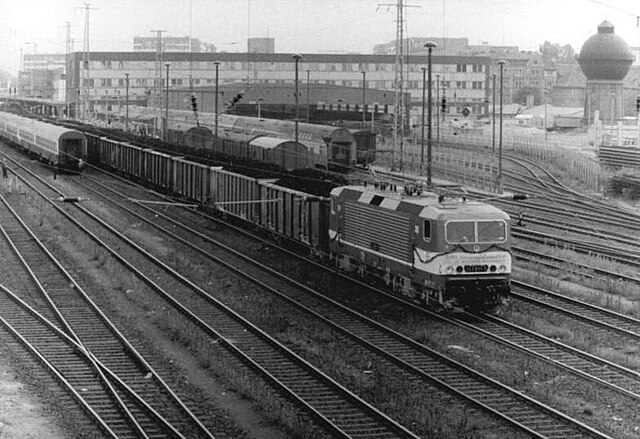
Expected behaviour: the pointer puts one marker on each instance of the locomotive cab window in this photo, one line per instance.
(427, 230)
(492, 231)
(460, 232)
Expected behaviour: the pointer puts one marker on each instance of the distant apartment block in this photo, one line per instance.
(523, 72)
(171, 44)
(261, 45)
(41, 76)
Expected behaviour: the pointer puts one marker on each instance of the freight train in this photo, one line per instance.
(430, 248)
(286, 153)
(330, 147)
(55, 145)
(267, 148)
(433, 249)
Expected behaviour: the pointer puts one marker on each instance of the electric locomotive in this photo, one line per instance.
(451, 253)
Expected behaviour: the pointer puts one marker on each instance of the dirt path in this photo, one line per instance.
(22, 414)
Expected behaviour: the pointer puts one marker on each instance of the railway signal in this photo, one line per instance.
(194, 106)
(194, 103)
(234, 100)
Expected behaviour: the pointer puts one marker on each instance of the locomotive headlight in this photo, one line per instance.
(449, 269)
(459, 268)
(493, 268)
(502, 268)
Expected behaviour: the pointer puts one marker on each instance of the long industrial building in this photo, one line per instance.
(98, 80)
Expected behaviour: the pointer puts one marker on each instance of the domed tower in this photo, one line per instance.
(605, 60)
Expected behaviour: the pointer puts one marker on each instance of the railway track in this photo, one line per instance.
(405, 353)
(553, 262)
(578, 246)
(576, 309)
(122, 392)
(329, 405)
(564, 433)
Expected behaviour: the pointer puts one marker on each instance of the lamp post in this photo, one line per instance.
(364, 114)
(217, 64)
(437, 109)
(297, 57)
(613, 105)
(259, 102)
(308, 72)
(546, 138)
(126, 117)
(493, 138)
(424, 88)
(31, 89)
(430, 46)
(166, 114)
(501, 63)
(588, 109)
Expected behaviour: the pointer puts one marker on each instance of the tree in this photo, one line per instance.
(554, 52)
(566, 53)
(549, 52)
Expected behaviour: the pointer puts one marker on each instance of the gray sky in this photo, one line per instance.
(306, 26)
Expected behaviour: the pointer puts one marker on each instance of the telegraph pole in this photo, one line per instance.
(126, 120)
(84, 79)
(398, 117)
(297, 57)
(157, 86)
(66, 67)
(86, 61)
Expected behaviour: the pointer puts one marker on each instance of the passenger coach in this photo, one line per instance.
(53, 144)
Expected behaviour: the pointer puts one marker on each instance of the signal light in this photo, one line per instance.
(638, 104)
(236, 98)
(444, 104)
(194, 103)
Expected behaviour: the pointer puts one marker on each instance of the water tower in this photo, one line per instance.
(605, 60)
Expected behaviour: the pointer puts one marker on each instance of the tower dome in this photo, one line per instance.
(605, 56)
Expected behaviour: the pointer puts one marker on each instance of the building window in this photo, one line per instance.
(461, 68)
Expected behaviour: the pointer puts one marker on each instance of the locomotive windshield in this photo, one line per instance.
(461, 232)
(492, 231)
